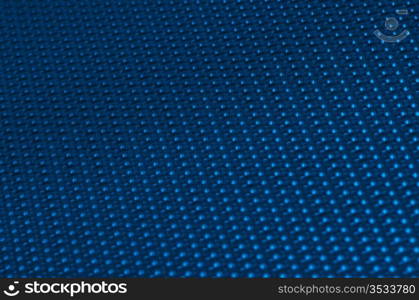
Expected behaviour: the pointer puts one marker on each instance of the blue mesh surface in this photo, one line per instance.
(208, 139)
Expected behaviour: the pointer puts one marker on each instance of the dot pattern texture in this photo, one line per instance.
(219, 138)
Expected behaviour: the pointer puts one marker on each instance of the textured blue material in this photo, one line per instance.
(207, 139)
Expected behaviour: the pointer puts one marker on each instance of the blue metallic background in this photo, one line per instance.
(207, 139)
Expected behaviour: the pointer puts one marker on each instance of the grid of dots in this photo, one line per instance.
(239, 138)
